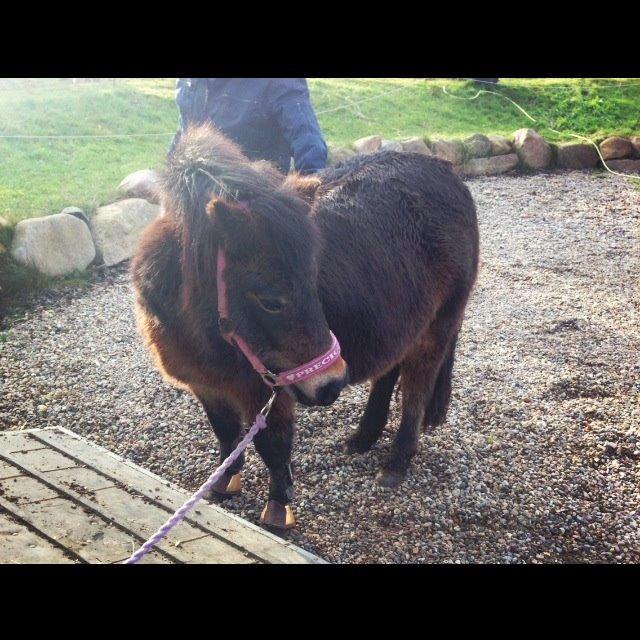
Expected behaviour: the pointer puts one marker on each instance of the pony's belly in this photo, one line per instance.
(377, 299)
(371, 347)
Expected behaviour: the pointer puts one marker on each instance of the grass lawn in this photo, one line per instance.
(595, 108)
(44, 175)
(39, 177)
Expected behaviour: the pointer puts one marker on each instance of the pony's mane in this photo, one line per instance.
(205, 164)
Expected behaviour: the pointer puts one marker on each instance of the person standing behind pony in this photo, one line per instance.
(269, 118)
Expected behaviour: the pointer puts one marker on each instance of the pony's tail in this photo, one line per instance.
(436, 412)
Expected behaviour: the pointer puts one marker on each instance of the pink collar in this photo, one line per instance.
(304, 371)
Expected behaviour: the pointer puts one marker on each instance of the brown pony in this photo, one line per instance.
(382, 249)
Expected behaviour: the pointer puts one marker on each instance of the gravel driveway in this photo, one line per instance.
(538, 460)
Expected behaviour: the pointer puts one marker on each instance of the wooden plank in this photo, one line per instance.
(17, 441)
(88, 506)
(91, 538)
(145, 519)
(132, 513)
(80, 479)
(24, 489)
(212, 518)
(150, 558)
(7, 470)
(41, 460)
(18, 545)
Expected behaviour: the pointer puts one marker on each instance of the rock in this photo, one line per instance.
(4, 222)
(489, 166)
(54, 245)
(628, 165)
(577, 155)
(337, 155)
(390, 145)
(500, 145)
(616, 147)
(117, 227)
(76, 213)
(142, 184)
(450, 150)
(370, 144)
(416, 145)
(532, 149)
(635, 143)
(477, 146)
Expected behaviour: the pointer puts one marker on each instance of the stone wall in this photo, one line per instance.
(525, 150)
(69, 240)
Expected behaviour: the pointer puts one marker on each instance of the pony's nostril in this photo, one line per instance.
(329, 393)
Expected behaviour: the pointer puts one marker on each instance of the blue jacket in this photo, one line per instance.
(270, 118)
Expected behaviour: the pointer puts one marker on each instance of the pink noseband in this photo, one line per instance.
(303, 372)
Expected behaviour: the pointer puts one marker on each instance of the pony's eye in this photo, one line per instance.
(271, 304)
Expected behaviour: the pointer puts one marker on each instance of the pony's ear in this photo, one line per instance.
(219, 209)
(304, 186)
(228, 216)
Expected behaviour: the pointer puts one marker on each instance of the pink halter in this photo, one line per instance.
(304, 371)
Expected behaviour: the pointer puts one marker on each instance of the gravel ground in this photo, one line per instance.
(538, 459)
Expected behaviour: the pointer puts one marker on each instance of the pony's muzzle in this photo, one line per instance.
(329, 393)
(324, 388)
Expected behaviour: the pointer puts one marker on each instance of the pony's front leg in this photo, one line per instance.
(274, 444)
(227, 426)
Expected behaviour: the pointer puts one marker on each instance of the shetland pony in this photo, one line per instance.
(382, 250)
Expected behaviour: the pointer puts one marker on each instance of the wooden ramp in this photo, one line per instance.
(66, 500)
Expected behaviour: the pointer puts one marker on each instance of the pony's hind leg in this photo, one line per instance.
(418, 375)
(375, 414)
(227, 426)
(436, 412)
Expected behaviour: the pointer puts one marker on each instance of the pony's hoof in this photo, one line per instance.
(390, 478)
(353, 445)
(279, 516)
(227, 486)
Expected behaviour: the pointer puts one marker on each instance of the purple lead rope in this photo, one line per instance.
(179, 515)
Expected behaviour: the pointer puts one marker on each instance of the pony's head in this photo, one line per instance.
(264, 223)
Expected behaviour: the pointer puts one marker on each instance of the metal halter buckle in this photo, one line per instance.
(267, 407)
(270, 378)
